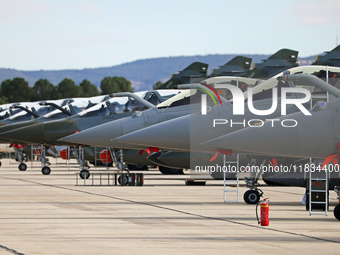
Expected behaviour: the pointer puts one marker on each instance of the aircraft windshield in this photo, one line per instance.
(78, 105)
(119, 104)
(35, 107)
(184, 94)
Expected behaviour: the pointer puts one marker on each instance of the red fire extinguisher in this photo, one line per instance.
(264, 208)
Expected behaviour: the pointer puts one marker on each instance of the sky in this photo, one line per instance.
(77, 34)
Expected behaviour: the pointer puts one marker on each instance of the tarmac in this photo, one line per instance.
(51, 215)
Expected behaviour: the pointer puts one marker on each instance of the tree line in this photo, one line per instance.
(18, 90)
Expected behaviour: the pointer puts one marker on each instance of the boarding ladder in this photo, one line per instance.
(318, 185)
(318, 190)
(227, 169)
(36, 152)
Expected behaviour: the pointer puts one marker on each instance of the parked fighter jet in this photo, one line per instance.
(78, 105)
(292, 141)
(315, 136)
(195, 72)
(177, 106)
(282, 60)
(178, 127)
(238, 66)
(182, 138)
(100, 136)
(114, 108)
(331, 58)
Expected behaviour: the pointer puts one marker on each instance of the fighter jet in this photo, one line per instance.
(331, 58)
(280, 61)
(195, 72)
(238, 66)
(114, 108)
(294, 141)
(314, 137)
(179, 105)
(126, 126)
(100, 136)
(74, 106)
(182, 138)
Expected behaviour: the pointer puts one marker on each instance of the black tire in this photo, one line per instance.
(251, 196)
(22, 167)
(168, 170)
(0, 163)
(84, 174)
(337, 212)
(137, 167)
(46, 170)
(126, 180)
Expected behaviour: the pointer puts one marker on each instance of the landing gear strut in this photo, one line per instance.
(84, 173)
(123, 179)
(20, 156)
(253, 195)
(46, 170)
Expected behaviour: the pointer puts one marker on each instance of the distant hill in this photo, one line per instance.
(142, 73)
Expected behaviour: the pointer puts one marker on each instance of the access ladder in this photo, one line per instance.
(226, 170)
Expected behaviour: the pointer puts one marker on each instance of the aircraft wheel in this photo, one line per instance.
(0, 163)
(84, 174)
(46, 170)
(22, 167)
(251, 196)
(168, 170)
(337, 212)
(126, 180)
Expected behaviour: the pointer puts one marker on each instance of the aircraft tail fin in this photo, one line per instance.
(238, 66)
(276, 63)
(337, 48)
(332, 58)
(195, 72)
(285, 54)
(242, 61)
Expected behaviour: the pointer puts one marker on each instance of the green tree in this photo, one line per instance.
(157, 85)
(67, 88)
(88, 89)
(115, 84)
(3, 100)
(17, 90)
(45, 90)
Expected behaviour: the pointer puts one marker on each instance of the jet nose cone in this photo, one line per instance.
(172, 134)
(31, 134)
(54, 130)
(96, 136)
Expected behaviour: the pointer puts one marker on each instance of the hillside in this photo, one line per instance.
(142, 73)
